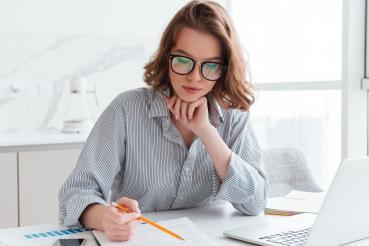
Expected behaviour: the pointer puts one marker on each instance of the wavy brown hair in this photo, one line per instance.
(232, 90)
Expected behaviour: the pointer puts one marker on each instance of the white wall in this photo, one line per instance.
(43, 43)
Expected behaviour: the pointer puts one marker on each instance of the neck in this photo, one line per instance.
(187, 135)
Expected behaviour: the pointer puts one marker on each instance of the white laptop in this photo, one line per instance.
(342, 219)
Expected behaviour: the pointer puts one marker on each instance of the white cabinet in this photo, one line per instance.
(41, 174)
(9, 190)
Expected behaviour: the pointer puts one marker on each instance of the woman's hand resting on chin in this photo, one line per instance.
(194, 115)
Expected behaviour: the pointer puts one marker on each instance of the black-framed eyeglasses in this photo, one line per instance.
(183, 65)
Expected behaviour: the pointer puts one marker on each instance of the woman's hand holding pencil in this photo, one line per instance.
(120, 226)
(119, 220)
(148, 221)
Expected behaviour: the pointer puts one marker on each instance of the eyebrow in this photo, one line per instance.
(188, 54)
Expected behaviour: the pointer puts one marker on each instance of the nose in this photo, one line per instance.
(195, 75)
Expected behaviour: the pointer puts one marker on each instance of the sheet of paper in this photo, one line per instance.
(19, 239)
(41, 235)
(298, 201)
(149, 235)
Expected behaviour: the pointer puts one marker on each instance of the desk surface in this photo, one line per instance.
(212, 219)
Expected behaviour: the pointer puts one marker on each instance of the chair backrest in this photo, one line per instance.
(286, 170)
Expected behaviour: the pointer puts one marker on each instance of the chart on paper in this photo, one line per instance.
(149, 235)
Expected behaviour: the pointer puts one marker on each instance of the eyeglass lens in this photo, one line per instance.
(184, 65)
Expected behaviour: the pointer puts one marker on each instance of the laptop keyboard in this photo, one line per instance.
(290, 238)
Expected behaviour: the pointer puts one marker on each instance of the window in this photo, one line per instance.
(298, 60)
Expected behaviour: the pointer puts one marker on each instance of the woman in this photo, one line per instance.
(181, 142)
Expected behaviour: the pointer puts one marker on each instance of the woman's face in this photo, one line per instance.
(198, 46)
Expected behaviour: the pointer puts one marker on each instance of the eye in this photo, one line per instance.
(211, 66)
(182, 60)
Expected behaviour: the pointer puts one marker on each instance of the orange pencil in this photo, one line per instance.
(148, 221)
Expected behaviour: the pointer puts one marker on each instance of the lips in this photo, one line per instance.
(191, 90)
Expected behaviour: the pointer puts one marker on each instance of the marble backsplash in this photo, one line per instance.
(106, 42)
(109, 64)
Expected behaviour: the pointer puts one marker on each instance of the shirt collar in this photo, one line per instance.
(215, 111)
(158, 107)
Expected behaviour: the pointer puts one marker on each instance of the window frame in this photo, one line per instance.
(354, 89)
(354, 98)
(365, 81)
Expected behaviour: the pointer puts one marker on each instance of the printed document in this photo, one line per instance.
(149, 235)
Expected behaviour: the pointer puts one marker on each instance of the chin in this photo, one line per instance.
(189, 98)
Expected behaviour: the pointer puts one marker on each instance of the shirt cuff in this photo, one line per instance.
(76, 206)
(242, 184)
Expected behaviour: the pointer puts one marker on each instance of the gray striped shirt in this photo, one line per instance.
(135, 150)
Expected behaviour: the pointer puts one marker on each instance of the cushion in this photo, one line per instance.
(286, 170)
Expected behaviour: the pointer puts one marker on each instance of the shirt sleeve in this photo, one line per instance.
(244, 184)
(99, 162)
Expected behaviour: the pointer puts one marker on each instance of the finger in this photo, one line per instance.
(171, 101)
(184, 107)
(123, 218)
(112, 217)
(126, 232)
(177, 108)
(132, 223)
(192, 107)
(115, 236)
(129, 226)
(191, 110)
(131, 204)
(171, 110)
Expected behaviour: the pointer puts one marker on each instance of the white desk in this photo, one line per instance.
(212, 219)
